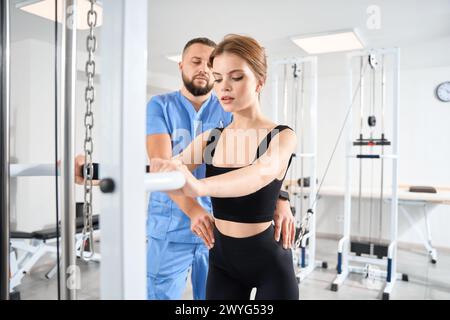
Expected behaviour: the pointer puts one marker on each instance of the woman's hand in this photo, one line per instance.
(284, 223)
(192, 188)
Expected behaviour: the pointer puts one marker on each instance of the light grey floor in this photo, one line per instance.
(426, 281)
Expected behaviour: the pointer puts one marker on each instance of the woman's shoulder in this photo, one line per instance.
(281, 127)
(272, 128)
(285, 132)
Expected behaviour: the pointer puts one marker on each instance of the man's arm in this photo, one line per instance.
(160, 146)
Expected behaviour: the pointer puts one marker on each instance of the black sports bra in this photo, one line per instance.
(252, 208)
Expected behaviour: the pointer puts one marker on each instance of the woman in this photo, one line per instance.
(243, 187)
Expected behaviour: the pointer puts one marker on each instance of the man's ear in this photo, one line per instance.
(180, 65)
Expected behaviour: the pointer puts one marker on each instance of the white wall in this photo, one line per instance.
(32, 131)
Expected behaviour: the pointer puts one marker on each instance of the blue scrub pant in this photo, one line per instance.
(168, 263)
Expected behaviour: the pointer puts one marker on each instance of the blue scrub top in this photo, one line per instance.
(172, 113)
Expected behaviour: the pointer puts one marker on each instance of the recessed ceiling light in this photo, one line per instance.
(46, 9)
(329, 42)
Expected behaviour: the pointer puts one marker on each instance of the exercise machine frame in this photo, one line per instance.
(344, 257)
(307, 249)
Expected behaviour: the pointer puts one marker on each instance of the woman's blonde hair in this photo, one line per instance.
(246, 48)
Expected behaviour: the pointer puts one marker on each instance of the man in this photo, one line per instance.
(173, 121)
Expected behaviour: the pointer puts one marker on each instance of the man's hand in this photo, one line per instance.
(79, 165)
(284, 223)
(202, 224)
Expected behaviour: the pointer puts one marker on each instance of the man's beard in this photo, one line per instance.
(193, 89)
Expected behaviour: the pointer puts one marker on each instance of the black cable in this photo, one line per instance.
(56, 151)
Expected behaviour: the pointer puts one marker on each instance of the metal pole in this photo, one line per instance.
(4, 151)
(348, 175)
(123, 95)
(361, 121)
(383, 103)
(70, 275)
(313, 163)
(395, 162)
(275, 91)
(285, 96)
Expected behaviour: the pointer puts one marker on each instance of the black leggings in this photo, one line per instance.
(236, 265)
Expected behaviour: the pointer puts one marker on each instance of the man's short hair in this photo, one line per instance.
(205, 41)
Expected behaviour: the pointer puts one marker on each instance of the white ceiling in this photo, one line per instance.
(422, 27)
